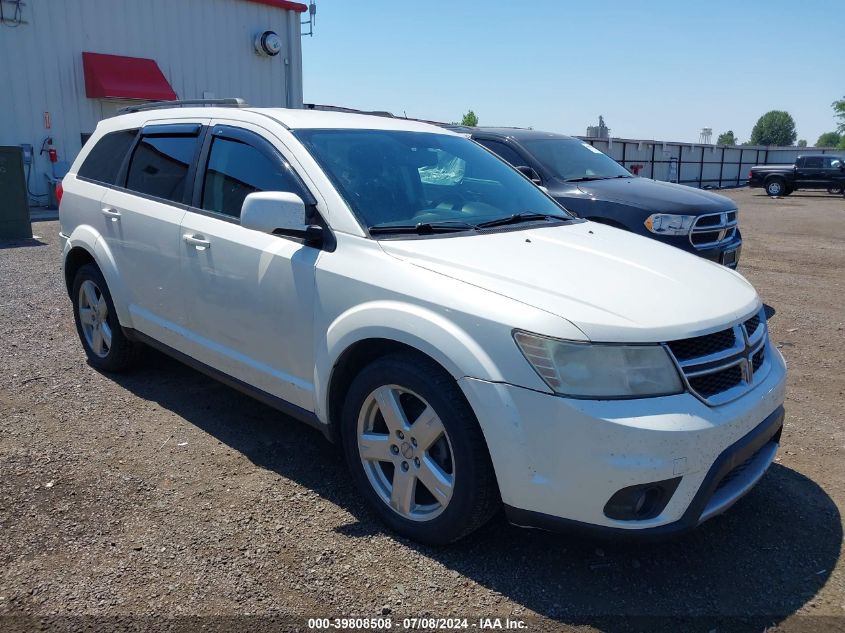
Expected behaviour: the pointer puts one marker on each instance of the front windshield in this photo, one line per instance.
(571, 159)
(399, 178)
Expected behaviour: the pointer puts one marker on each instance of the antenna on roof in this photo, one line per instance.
(311, 21)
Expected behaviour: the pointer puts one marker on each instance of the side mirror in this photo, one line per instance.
(530, 173)
(279, 213)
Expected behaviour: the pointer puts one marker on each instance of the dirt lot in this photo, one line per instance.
(163, 493)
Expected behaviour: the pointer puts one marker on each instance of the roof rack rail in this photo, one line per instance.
(155, 105)
(333, 108)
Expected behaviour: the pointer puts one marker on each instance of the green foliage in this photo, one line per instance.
(839, 113)
(829, 139)
(470, 120)
(726, 138)
(802, 142)
(774, 128)
(841, 143)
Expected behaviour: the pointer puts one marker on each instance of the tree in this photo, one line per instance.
(829, 139)
(776, 127)
(839, 113)
(470, 120)
(802, 142)
(726, 138)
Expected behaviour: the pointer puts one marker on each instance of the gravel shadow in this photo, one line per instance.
(748, 569)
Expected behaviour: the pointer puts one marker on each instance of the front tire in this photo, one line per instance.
(775, 187)
(416, 451)
(835, 190)
(102, 338)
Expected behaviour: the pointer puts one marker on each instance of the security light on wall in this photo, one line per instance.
(268, 43)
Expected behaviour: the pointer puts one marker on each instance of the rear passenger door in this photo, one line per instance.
(143, 215)
(100, 171)
(249, 295)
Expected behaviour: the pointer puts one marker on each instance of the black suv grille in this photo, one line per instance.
(716, 363)
(710, 384)
(752, 324)
(713, 229)
(758, 358)
(688, 348)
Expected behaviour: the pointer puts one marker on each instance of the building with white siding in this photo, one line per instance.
(69, 63)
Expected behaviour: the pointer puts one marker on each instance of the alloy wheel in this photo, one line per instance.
(406, 453)
(93, 315)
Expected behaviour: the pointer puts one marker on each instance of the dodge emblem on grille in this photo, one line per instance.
(747, 367)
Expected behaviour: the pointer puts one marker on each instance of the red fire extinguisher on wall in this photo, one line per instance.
(47, 146)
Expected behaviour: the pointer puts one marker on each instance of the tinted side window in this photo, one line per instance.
(505, 151)
(832, 162)
(813, 161)
(105, 159)
(160, 165)
(235, 170)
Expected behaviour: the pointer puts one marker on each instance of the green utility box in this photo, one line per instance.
(14, 201)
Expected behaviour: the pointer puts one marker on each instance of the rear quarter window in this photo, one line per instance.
(103, 162)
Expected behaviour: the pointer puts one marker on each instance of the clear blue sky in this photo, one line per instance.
(656, 70)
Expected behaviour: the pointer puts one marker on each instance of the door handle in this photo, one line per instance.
(114, 214)
(198, 241)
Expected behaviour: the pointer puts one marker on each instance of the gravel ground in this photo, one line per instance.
(163, 493)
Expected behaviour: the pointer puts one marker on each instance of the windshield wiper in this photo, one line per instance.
(423, 228)
(517, 218)
(586, 178)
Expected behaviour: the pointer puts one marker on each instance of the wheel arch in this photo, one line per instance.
(353, 341)
(85, 246)
(75, 259)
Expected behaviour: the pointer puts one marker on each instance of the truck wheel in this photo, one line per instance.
(775, 187)
(835, 190)
(102, 338)
(416, 451)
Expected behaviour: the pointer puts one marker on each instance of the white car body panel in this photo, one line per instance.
(614, 286)
(250, 299)
(278, 315)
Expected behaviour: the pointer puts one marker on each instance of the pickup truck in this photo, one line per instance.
(825, 171)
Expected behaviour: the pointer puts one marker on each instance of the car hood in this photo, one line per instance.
(652, 195)
(612, 285)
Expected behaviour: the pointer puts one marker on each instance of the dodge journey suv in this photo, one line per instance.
(468, 342)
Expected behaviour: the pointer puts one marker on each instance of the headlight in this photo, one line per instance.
(586, 370)
(668, 224)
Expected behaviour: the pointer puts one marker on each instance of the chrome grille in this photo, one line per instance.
(713, 229)
(722, 366)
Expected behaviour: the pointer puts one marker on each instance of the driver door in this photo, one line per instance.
(249, 296)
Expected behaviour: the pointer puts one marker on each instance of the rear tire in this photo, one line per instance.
(835, 190)
(775, 187)
(102, 338)
(423, 465)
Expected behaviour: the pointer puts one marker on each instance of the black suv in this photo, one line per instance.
(594, 186)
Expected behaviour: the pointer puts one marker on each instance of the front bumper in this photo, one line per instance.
(727, 255)
(558, 461)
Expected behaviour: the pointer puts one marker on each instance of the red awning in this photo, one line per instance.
(118, 77)
(283, 4)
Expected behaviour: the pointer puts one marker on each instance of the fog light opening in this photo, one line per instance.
(641, 502)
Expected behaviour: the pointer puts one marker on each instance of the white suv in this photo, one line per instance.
(408, 293)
